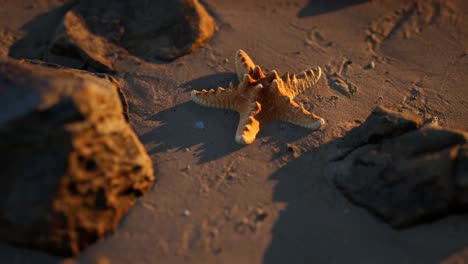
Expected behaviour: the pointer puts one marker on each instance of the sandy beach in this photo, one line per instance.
(273, 201)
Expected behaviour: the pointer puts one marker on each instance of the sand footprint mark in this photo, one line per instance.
(408, 20)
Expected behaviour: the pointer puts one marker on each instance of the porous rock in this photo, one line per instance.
(96, 31)
(71, 164)
(402, 171)
(381, 123)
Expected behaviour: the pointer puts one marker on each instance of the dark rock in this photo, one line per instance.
(73, 39)
(461, 175)
(382, 123)
(71, 164)
(403, 174)
(95, 30)
(457, 258)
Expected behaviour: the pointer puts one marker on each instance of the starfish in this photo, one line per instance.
(261, 97)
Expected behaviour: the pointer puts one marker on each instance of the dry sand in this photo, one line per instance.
(218, 202)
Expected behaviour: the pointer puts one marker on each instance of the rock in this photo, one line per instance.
(403, 174)
(461, 175)
(457, 258)
(96, 30)
(370, 66)
(71, 164)
(74, 39)
(382, 123)
(6, 40)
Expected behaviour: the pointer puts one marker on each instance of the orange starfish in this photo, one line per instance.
(259, 98)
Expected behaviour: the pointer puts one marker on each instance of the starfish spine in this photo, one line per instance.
(244, 64)
(302, 81)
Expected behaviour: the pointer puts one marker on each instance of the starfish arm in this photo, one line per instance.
(221, 98)
(278, 86)
(301, 81)
(244, 64)
(249, 126)
(257, 90)
(296, 114)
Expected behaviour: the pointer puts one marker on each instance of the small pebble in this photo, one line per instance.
(200, 125)
(369, 66)
(214, 232)
(294, 149)
(432, 120)
(231, 176)
(260, 215)
(308, 42)
(186, 213)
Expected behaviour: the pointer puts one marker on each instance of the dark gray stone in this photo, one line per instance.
(71, 164)
(402, 173)
(95, 31)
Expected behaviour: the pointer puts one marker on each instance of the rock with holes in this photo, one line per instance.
(71, 164)
(402, 173)
(382, 123)
(100, 31)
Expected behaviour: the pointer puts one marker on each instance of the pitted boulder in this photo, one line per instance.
(99, 32)
(72, 165)
(404, 174)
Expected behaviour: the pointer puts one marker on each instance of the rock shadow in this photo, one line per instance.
(11, 254)
(311, 226)
(317, 7)
(320, 225)
(39, 32)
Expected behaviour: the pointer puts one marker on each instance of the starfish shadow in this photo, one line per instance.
(211, 81)
(209, 131)
(317, 7)
(188, 125)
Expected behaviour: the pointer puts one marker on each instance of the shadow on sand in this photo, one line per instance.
(212, 81)
(39, 33)
(11, 254)
(319, 225)
(317, 7)
(209, 131)
(188, 125)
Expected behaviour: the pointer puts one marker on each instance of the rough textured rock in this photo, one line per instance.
(71, 164)
(457, 258)
(403, 173)
(382, 123)
(94, 30)
(6, 40)
(73, 39)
